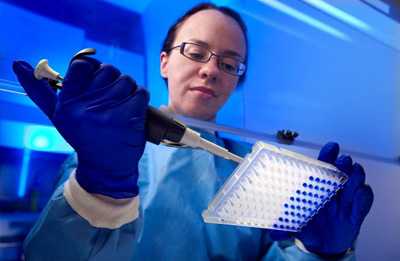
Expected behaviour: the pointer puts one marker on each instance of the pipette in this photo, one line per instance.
(159, 126)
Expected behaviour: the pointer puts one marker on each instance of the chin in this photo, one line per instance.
(199, 114)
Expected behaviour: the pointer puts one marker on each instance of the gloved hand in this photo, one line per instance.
(101, 114)
(336, 226)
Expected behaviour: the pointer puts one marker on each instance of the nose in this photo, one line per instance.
(210, 69)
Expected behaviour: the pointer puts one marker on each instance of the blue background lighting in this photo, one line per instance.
(328, 70)
(24, 173)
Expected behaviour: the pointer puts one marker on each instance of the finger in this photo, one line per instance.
(344, 163)
(136, 109)
(355, 181)
(329, 152)
(356, 176)
(113, 95)
(39, 91)
(103, 77)
(140, 100)
(132, 113)
(137, 106)
(362, 204)
(79, 77)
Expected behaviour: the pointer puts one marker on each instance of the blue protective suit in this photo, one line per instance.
(176, 185)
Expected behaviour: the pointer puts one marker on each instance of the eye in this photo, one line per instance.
(196, 52)
(231, 68)
(196, 55)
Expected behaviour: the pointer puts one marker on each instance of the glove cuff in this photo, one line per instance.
(99, 210)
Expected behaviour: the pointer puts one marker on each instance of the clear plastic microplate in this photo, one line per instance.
(276, 189)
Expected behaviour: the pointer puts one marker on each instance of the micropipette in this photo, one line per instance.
(159, 126)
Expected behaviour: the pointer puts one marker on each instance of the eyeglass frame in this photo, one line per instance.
(242, 67)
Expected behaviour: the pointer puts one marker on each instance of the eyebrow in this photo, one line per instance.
(225, 52)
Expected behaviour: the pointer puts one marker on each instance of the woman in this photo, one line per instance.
(99, 214)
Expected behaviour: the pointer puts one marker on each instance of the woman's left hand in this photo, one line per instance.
(336, 226)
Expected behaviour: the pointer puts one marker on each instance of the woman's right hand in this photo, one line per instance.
(101, 114)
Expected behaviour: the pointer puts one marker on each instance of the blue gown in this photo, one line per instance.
(176, 185)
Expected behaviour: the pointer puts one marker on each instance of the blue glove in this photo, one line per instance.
(336, 226)
(101, 114)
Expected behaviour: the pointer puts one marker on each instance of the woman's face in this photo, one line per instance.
(200, 89)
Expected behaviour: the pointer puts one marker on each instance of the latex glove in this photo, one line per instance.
(336, 226)
(101, 114)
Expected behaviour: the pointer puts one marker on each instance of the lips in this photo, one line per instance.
(204, 90)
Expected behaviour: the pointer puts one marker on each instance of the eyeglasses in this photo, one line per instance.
(199, 53)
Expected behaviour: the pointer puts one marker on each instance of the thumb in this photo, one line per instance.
(39, 91)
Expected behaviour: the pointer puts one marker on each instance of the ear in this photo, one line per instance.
(164, 58)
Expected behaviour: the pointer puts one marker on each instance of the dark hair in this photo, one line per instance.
(171, 35)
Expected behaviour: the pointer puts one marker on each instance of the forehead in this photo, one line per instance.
(220, 32)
